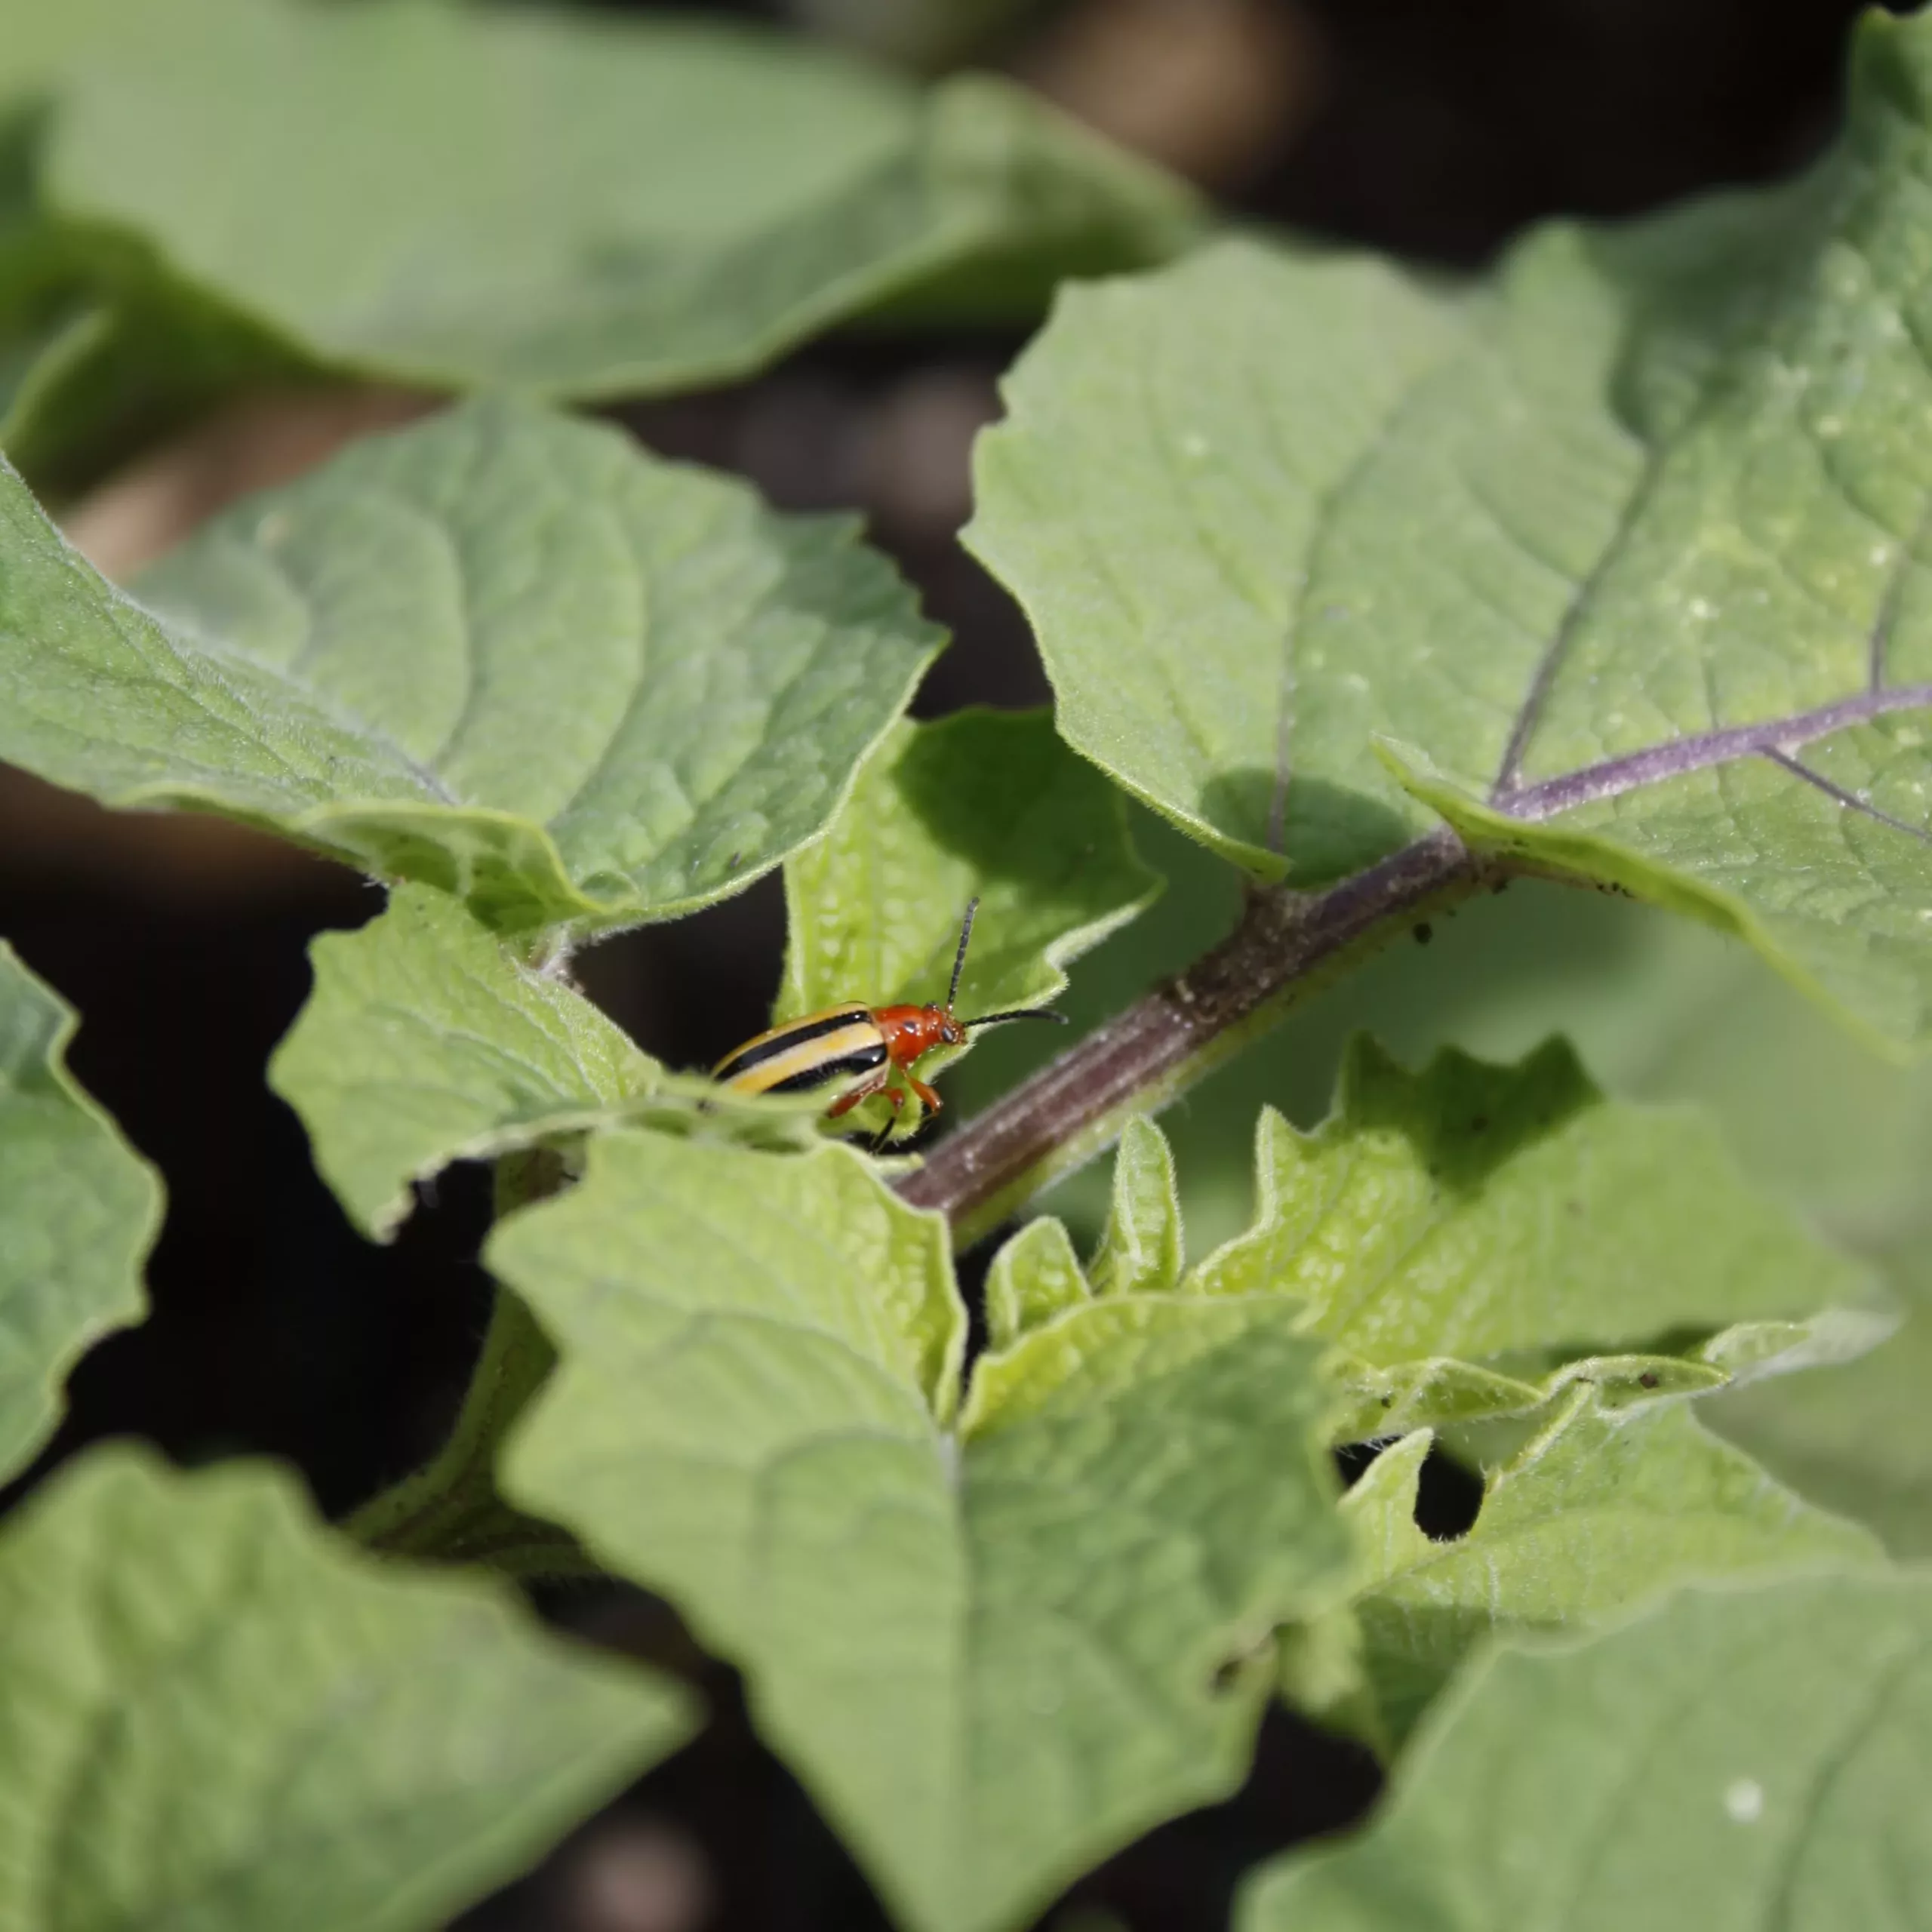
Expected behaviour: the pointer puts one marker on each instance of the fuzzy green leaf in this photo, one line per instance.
(1735, 1761)
(1614, 559)
(1141, 1248)
(1596, 1513)
(78, 1212)
(216, 1716)
(464, 198)
(984, 803)
(504, 652)
(1856, 1436)
(1035, 1276)
(994, 1651)
(428, 1040)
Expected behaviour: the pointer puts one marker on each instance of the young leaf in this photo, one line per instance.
(1615, 561)
(1597, 1512)
(994, 1652)
(1142, 1248)
(568, 205)
(215, 1715)
(985, 803)
(428, 1040)
(504, 652)
(1035, 1276)
(78, 1212)
(1737, 1759)
(1457, 1231)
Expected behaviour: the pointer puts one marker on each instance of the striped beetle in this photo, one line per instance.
(863, 1044)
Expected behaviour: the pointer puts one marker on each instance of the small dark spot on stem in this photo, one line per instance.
(732, 864)
(1424, 932)
(1648, 1380)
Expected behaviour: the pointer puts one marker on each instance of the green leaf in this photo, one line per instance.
(984, 803)
(1142, 1249)
(78, 1211)
(504, 652)
(217, 1716)
(1597, 1513)
(428, 1040)
(40, 44)
(462, 198)
(1465, 1236)
(1035, 1276)
(994, 1651)
(1736, 1760)
(1614, 559)
(1856, 1436)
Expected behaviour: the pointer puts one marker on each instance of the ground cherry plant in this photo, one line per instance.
(1368, 593)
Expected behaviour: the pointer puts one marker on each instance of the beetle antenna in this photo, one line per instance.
(959, 958)
(1019, 1013)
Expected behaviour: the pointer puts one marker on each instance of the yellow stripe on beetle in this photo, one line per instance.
(796, 1059)
(861, 1044)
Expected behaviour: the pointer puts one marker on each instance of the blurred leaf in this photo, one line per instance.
(78, 1211)
(1597, 1512)
(463, 198)
(1856, 1437)
(1735, 1760)
(215, 1715)
(505, 652)
(1612, 560)
(1141, 1248)
(56, 382)
(996, 1652)
(427, 1040)
(915, 33)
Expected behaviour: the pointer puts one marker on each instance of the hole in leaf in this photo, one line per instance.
(1448, 1497)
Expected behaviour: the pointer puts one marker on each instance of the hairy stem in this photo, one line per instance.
(449, 1510)
(1287, 945)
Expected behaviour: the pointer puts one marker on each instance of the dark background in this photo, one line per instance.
(1435, 128)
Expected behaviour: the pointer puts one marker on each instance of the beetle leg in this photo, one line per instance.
(885, 1134)
(928, 1099)
(864, 1090)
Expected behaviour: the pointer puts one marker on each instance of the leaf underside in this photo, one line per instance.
(78, 1211)
(1615, 560)
(504, 652)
